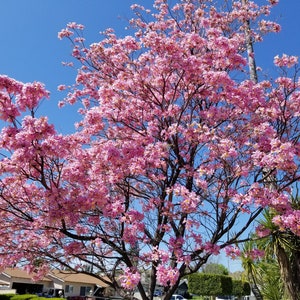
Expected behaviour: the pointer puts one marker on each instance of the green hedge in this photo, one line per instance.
(6, 296)
(24, 297)
(209, 284)
(214, 285)
(240, 288)
(17, 297)
(44, 298)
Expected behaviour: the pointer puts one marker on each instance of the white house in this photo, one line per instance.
(72, 284)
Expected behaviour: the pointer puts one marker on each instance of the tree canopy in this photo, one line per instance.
(177, 152)
(214, 268)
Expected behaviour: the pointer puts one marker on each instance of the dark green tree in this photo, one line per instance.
(277, 274)
(214, 268)
(209, 284)
(240, 288)
(264, 275)
(283, 246)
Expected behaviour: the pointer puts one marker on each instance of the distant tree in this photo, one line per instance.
(238, 275)
(240, 288)
(214, 268)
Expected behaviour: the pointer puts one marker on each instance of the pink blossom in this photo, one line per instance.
(268, 26)
(175, 148)
(211, 248)
(254, 254)
(261, 231)
(167, 275)
(189, 200)
(285, 61)
(232, 251)
(289, 220)
(64, 33)
(73, 248)
(274, 2)
(130, 279)
(74, 25)
(61, 87)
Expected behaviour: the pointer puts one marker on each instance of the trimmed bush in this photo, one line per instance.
(6, 296)
(210, 284)
(24, 297)
(240, 288)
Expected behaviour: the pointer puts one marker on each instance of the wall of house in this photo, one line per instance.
(22, 285)
(7, 291)
(4, 280)
(78, 289)
(52, 282)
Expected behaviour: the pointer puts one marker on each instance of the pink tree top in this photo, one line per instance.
(176, 154)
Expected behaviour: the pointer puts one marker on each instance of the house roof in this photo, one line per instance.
(64, 276)
(19, 273)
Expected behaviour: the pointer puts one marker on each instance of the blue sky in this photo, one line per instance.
(30, 49)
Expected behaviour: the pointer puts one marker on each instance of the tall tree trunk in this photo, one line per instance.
(250, 49)
(289, 264)
(255, 288)
(289, 269)
(253, 76)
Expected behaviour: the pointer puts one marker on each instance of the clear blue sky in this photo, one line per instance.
(30, 49)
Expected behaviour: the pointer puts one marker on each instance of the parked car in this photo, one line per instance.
(177, 297)
(52, 293)
(157, 293)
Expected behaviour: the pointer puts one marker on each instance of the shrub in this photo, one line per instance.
(6, 296)
(24, 297)
(210, 284)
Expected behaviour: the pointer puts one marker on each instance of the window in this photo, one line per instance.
(85, 290)
(69, 288)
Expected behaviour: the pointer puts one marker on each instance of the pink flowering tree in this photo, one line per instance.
(177, 152)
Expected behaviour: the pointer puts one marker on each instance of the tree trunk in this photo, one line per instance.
(295, 268)
(290, 271)
(253, 76)
(255, 288)
(289, 266)
(250, 49)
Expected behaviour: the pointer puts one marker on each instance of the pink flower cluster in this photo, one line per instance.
(167, 275)
(290, 220)
(285, 60)
(189, 201)
(173, 151)
(261, 231)
(69, 31)
(232, 251)
(16, 97)
(254, 254)
(156, 255)
(268, 26)
(130, 279)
